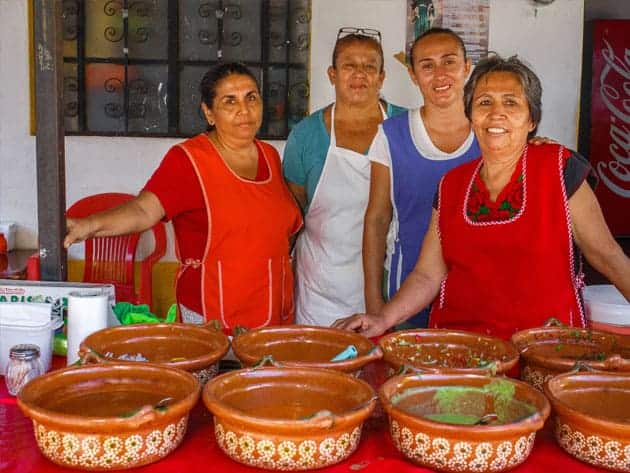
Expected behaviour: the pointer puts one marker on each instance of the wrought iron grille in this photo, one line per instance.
(133, 67)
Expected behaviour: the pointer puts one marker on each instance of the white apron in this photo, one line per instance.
(328, 251)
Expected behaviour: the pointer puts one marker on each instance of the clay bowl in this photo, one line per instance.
(304, 346)
(288, 418)
(551, 350)
(193, 348)
(592, 417)
(454, 447)
(109, 416)
(448, 351)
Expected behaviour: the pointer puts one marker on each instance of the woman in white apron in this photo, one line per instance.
(327, 170)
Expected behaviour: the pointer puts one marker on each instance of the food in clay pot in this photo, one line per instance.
(463, 423)
(553, 349)
(592, 418)
(193, 348)
(306, 346)
(288, 418)
(440, 350)
(109, 416)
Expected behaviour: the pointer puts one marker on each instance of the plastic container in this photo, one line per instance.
(607, 309)
(27, 323)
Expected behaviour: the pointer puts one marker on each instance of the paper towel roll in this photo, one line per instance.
(87, 313)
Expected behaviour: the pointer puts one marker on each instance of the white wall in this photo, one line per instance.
(550, 38)
(387, 16)
(18, 198)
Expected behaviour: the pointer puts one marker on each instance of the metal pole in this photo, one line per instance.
(51, 191)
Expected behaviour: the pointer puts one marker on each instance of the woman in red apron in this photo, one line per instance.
(500, 252)
(232, 213)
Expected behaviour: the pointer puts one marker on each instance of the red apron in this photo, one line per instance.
(506, 276)
(246, 276)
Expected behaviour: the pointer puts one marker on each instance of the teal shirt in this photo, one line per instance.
(306, 150)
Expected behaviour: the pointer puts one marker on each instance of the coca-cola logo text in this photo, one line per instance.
(615, 173)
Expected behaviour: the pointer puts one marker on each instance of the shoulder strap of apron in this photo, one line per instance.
(333, 139)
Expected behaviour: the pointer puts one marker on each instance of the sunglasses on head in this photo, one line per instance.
(349, 30)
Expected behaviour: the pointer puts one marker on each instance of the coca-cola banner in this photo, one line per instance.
(610, 121)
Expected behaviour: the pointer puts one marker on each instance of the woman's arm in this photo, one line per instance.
(293, 162)
(418, 290)
(595, 240)
(134, 216)
(377, 219)
(299, 193)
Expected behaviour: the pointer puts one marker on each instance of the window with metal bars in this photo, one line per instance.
(133, 67)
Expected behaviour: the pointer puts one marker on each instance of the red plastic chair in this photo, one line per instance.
(111, 260)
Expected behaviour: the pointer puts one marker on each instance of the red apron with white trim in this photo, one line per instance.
(505, 276)
(246, 276)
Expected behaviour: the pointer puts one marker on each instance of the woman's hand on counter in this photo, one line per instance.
(370, 325)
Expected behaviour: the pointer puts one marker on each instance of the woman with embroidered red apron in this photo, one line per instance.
(232, 213)
(500, 254)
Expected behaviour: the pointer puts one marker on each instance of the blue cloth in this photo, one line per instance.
(306, 150)
(414, 181)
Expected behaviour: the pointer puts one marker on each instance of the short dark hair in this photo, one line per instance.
(433, 31)
(526, 76)
(211, 79)
(357, 38)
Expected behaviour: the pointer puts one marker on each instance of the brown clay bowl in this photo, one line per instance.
(462, 448)
(303, 345)
(592, 417)
(109, 416)
(288, 418)
(448, 351)
(551, 350)
(193, 348)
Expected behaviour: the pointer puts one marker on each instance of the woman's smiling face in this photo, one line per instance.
(439, 69)
(500, 114)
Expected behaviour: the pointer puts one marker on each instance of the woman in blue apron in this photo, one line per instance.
(410, 153)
